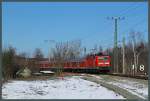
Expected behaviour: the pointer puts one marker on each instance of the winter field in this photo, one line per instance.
(69, 88)
(136, 86)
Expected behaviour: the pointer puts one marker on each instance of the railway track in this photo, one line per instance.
(145, 77)
(92, 71)
(125, 88)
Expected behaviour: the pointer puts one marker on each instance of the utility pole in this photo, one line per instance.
(116, 46)
(123, 42)
(49, 41)
(115, 51)
(95, 47)
(84, 51)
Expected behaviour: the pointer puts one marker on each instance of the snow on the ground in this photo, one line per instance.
(134, 87)
(46, 72)
(131, 85)
(69, 88)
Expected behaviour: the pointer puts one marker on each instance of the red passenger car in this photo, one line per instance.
(89, 63)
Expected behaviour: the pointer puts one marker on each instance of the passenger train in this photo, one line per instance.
(94, 63)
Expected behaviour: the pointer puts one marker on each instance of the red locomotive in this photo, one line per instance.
(91, 63)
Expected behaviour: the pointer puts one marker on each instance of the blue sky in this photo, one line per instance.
(25, 26)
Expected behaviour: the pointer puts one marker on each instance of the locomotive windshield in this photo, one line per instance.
(103, 58)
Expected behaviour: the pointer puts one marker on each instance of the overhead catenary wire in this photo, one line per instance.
(121, 14)
(124, 13)
(137, 24)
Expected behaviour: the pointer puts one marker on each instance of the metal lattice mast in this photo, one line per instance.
(115, 51)
(116, 47)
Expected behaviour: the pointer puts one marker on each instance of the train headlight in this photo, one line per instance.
(100, 63)
(106, 63)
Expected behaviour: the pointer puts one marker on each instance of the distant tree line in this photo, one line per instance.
(12, 62)
(135, 56)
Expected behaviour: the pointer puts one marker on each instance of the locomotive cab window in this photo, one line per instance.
(103, 58)
(100, 58)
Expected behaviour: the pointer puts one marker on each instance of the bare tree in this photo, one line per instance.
(74, 49)
(137, 48)
(38, 54)
(64, 51)
(8, 63)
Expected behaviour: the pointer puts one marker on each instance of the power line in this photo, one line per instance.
(126, 10)
(129, 10)
(122, 13)
(138, 23)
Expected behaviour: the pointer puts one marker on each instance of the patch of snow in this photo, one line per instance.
(98, 77)
(68, 88)
(46, 72)
(82, 74)
(132, 86)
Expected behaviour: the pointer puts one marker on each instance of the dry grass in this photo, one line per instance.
(44, 77)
